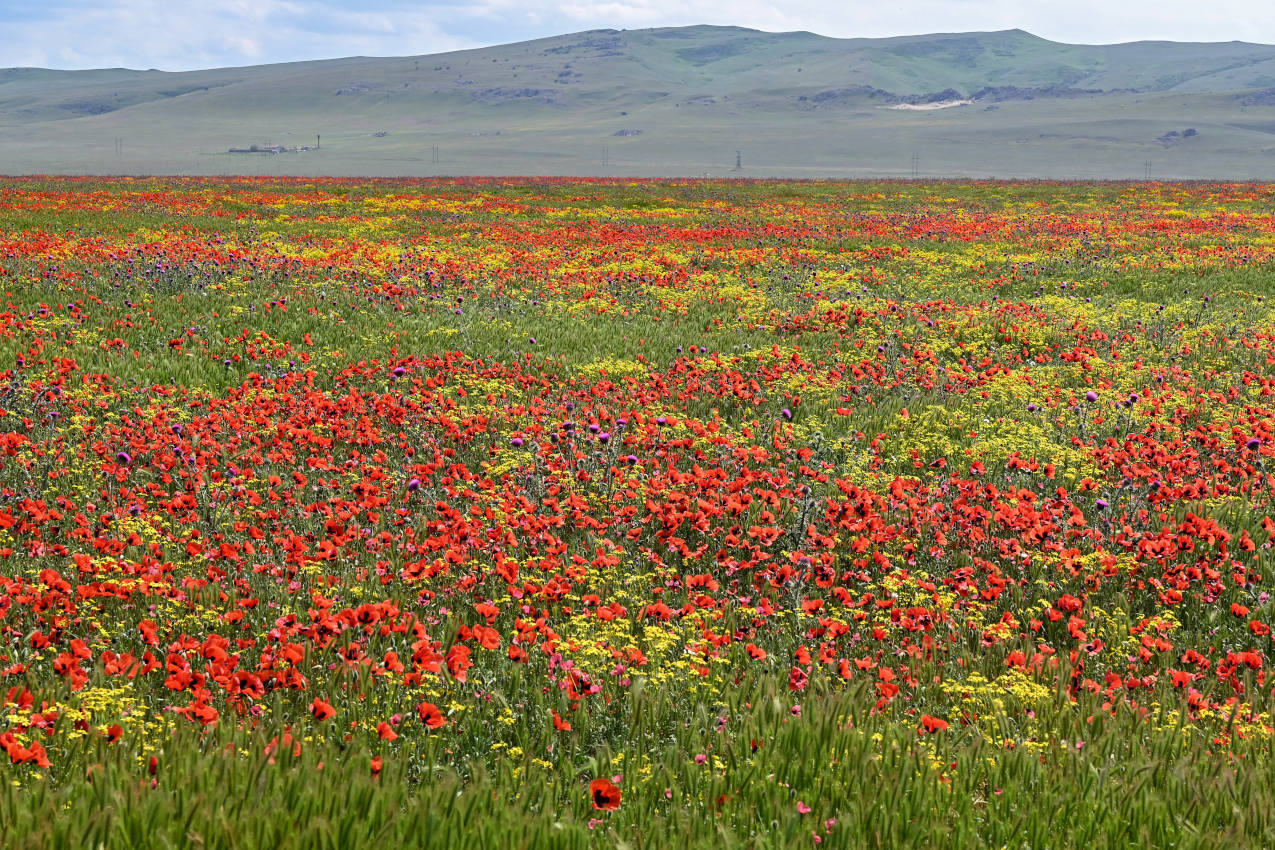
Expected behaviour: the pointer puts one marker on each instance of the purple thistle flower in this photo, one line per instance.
(124, 458)
(414, 485)
(1091, 396)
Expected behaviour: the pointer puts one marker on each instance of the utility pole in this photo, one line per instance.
(739, 161)
(119, 146)
(1146, 171)
(916, 165)
(318, 142)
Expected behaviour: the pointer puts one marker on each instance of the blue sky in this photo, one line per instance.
(175, 35)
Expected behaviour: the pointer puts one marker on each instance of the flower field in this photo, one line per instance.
(642, 514)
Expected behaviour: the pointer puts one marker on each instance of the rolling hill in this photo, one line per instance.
(676, 101)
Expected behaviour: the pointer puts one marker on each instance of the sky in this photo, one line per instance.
(179, 35)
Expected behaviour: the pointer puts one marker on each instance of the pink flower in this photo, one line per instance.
(803, 808)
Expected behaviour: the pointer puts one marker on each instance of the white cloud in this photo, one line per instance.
(184, 35)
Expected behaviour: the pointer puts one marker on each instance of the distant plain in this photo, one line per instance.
(693, 101)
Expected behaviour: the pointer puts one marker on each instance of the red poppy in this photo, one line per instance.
(321, 710)
(604, 794)
(431, 716)
(932, 724)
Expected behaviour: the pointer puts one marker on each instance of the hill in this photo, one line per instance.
(674, 101)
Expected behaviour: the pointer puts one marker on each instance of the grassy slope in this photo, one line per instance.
(787, 101)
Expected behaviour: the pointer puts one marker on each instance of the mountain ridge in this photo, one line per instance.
(679, 99)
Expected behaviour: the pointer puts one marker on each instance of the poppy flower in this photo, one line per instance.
(932, 724)
(604, 794)
(430, 715)
(322, 710)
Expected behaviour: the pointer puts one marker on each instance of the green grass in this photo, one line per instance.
(1109, 781)
(1106, 781)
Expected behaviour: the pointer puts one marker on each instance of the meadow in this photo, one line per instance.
(635, 513)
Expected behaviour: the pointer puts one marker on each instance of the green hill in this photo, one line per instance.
(680, 101)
